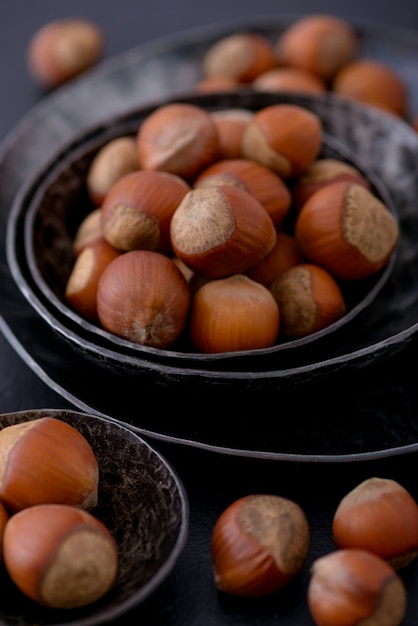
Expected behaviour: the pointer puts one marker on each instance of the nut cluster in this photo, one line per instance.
(260, 544)
(55, 550)
(314, 54)
(227, 230)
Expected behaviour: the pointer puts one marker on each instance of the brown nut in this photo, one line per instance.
(233, 313)
(178, 138)
(320, 44)
(241, 56)
(290, 79)
(309, 299)
(355, 587)
(143, 297)
(63, 49)
(46, 460)
(219, 231)
(381, 516)
(88, 232)
(259, 544)
(117, 158)
(374, 83)
(81, 287)
(284, 137)
(285, 254)
(346, 229)
(264, 184)
(322, 172)
(60, 556)
(217, 84)
(231, 124)
(137, 211)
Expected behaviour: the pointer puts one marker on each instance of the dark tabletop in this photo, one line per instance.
(213, 480)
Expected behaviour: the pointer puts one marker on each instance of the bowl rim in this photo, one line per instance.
(74, 415)
(69, 323)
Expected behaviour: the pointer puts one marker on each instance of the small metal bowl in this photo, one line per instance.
(47, 213)
(143, 503)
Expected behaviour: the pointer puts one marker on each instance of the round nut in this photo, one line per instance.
(320, 44)
(219, 231)
(290, 79)
(63, 49)
(284, 137)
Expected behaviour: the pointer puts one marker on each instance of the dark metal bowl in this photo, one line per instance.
(143, 503)
(46, 214)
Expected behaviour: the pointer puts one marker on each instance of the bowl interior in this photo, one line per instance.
(52, 207)
(143, 503)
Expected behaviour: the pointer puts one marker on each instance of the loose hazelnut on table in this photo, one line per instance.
(373, 83)
(320, 44)
(285, 137)
(63, 49)
(240, 56)
(351, 586)
(259, 545)
(381, 516)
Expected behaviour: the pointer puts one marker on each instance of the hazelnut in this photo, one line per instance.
(290, 79)
(241, 56)
(231, 124)
(63, 49)
(60, 556)
(374, 83)
(381, 516)
(81, 287)
(264, 184)
(233, 313)
(219, 231)
(348, 230)
(322, 172)
(285, 254)
(117, 158)
(285, 137)
(355, 587)
(217, 84)
(320, 44)
(46, 460)
(309, 299)
(143, 297)
(89, 231)
(259, 544)
(178, 138)
(137, 211)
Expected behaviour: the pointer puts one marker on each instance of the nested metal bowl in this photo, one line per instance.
(47, 212)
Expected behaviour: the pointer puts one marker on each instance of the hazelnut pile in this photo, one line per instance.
(314, 54)
(260, 543)
(226, 230)
(55, 550)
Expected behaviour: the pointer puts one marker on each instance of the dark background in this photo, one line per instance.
(188, 596)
